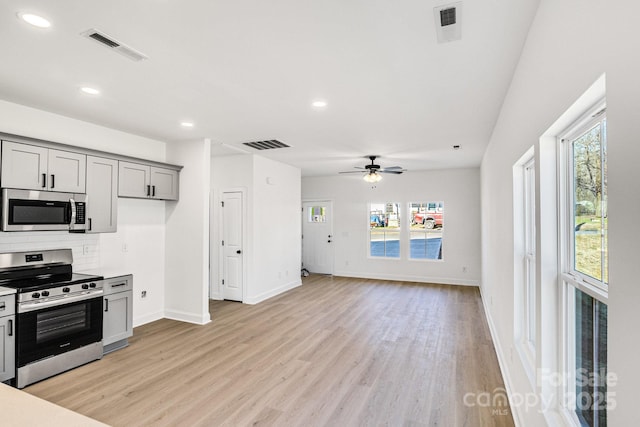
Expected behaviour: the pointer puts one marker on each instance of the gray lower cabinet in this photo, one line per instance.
(118, 312)
(7, 337)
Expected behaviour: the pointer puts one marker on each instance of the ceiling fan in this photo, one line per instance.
(373, 171)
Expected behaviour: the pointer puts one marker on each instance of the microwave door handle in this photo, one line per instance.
(72, 220)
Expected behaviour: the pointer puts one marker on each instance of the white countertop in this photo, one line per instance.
(6, 291)
(18, 408)
(107, 272)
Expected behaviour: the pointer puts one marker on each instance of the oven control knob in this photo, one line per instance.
(92, 285)
(45, 293)
(66, 290)
(85, 286)
(35, 295)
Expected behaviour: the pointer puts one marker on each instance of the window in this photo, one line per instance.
(585, 270)
(530, 253)
(524, 244)
(427, 223)
(316, 214)
(384, 230)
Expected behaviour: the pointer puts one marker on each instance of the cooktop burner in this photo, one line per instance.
(48, 282)
(35, 271)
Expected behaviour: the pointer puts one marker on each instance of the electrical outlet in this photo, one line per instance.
(464, 269)
(85, 249)
(143, 294)
(125, 247)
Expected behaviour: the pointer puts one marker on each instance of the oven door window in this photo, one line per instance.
(55, 330)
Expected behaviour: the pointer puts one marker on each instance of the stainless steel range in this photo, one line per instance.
(58, 313)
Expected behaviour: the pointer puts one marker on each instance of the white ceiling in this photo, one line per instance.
(247, 70)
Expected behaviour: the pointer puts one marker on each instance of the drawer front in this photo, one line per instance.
(112, 285)
(7, 305)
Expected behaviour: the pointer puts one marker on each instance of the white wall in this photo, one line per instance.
(457, 188)
(272, 223)
(277, 229)
(26, 121)
(571, 44)
(140, 222)
(187, 235)
(135, 249)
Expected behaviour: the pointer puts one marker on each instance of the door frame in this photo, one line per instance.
(303, 214)
(216, 253)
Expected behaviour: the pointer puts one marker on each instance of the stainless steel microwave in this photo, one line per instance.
(25, 210)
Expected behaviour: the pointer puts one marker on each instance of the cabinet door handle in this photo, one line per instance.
(118, 285)
(106, 308)
(10, 327)
(153, 191)
(148, 190)
(90, 225)
(44, 180)
(53, 180)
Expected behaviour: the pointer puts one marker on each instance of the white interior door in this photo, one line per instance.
(232, 250)
(317, 236)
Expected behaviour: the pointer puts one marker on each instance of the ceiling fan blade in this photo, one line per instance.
(393, 172)
(353, 171)
(391, 168)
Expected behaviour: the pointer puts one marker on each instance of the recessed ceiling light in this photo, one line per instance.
(186, 124)
(319, 104)
(35, 20)
(90, 90)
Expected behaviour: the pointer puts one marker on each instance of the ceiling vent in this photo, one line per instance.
(266, 145)
(448, 22)
(448, 16)
(113, 44)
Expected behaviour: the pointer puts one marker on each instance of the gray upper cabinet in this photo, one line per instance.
(102, 192)
(164, 183)
(144, 181)
(32, 167)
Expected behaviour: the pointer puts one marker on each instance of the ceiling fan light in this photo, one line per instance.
(372, 177)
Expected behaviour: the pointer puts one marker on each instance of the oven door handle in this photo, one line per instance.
(25, 307)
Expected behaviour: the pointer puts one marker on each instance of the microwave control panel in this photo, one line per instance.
(81, 212)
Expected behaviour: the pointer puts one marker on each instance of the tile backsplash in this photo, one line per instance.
(85, 247)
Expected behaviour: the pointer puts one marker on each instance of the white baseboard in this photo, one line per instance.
(272, 293)
(508, 384)
(183, 316)
(409, 278)
(148, 318)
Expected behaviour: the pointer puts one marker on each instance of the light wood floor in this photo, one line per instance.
(333, 352)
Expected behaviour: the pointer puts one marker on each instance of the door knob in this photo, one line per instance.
(238, 251)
